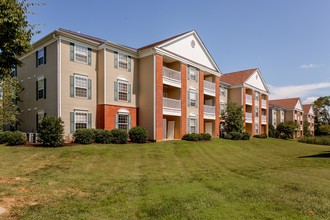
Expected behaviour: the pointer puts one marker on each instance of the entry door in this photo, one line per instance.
(170, 130)
(208, 127)
(164, 128)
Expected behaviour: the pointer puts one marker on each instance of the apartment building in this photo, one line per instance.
(288, 110)
(309, 116)
(247, 88)
(171, 87)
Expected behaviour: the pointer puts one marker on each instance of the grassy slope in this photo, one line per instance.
(222, 179)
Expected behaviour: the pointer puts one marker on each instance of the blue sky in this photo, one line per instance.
(289, 40)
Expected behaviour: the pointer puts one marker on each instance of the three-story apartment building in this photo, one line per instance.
(247, 88)
(171, 87)
(288, 110)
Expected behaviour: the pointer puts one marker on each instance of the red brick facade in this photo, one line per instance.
(106, 116)
(217, 107)
(183, 129)
(159, 98)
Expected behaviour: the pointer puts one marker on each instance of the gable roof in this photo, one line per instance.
(285, 103)
(88, 37)
(307, 108)
(238, 77)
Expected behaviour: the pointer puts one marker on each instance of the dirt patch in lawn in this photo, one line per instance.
(14, 179)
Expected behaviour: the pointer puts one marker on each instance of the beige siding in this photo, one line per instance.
(146, 94)
(193, 84)
(69, 68)
(112, 74)
(235, 95)
(289, 115)
(28, 75)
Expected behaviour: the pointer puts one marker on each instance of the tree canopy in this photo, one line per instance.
(321, 110)
(233, 118)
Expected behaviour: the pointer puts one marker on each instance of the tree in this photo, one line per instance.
(15, 34)
(307, 131)
(8, 109)
(233, 118)
(321, 110)
(286, 129)
(51, 131)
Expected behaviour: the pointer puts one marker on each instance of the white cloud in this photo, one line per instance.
(307, 92)
(309, 66)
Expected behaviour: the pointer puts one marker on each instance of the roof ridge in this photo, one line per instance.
(77, 33)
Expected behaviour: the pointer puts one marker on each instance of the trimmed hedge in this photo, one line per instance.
(138, 135)
(84, 136)
(197, 137)
(102, 136)
(4, 137)
(320, 140)
(16, 138)
(260, 135)
(119, 136)
(51, 131)
(237, 136)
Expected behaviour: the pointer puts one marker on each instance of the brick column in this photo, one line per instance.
(267, 114)
(201, 102)
(183, 125)
(217, 107)
(100, 116)
(159, 98)
(244, 106)
(260, 112)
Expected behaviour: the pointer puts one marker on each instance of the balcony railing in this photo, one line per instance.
(263, 119)
(209, 111)
(248, 117)
(171, 77)
(263, 103)
(295, 117)
(171, 106)
(248, 99)
(209, 88)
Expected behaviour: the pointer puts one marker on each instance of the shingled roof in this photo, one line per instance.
(306, 108)
(285, 103)
(237, 77)
(88, 37)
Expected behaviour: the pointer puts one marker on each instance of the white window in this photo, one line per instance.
(257, 111)
(222, 108)
(122, 61)
(122, 91)
(257, 129)
(81, 53)
(223, 92)
(256, 95)
(192, 125)
(81, 86)
(193, 74)
(41, 88)
(123, 122)
(192, 98)
(41, 56)
(81, 119)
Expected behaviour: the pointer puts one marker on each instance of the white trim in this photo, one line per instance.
(262, 79)
(123, 111)
(122, 78)
(59, 77)
(40, 77)
(70, 40)
(105, 75)
(188, 62)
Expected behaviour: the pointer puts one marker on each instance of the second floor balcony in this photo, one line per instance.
(248, 99)
(264, 104)
(171, 107)
(171, 77)
(248, 117)
(209, 111)
(263, 119)
(209, 88)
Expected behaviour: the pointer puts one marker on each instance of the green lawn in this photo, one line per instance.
(221, 179)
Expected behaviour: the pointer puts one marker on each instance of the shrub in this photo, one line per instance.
(102, 136)
(205, 136)
(4, 137)
(236, 135)
(51, 131)
(138, 135)
(119, 136)
(228, 136)
(84, 136)
(245, 136)
(323, 140)
(263, 135)
(16, 138)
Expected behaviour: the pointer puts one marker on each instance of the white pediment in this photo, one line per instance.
(311, 111)
(299, 106)
(192, 48)
(256, 81)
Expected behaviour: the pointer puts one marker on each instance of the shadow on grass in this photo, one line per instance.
(324, 154)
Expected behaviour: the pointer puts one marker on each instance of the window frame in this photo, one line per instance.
(193, 119)
(256, 96)
(75, 85)
(192, 71)
(123, 92)
(76, 121)
(76, 51)
(41, 81)
(41, 51)
(127, 123)
(223, 92)
(120, 60)
(189, 99)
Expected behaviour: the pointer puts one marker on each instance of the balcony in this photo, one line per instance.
(248, 117)
(295, 117)
(171, 77)
(171, 107)
(264, 104)
(263, 119)
(248, 99)
(209, 112)
(209, 88)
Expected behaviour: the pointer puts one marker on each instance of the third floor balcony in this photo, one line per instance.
(209, 88)
(248, 99)
(171, 77)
